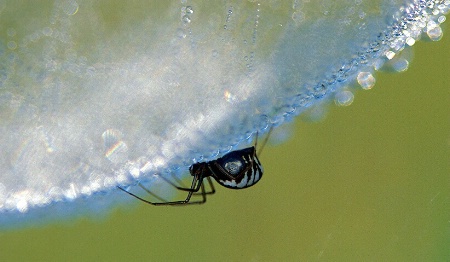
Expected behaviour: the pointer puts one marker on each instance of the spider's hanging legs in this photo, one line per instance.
(197, 184)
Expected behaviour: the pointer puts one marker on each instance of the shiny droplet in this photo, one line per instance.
(70, 7)
(116, 150)
(390, 55)
(186, 19)
(12, 45)
(189, 10)
(365, 80)
(410, 41)
(298, 17)
(344, 98)
(400, 65)
(11, 32)
(434, 33)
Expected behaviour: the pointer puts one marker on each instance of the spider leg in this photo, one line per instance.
(211, 191)
(264, 141)
(182, 188)
(135, 196)
(188, 202)
(178, 181)
(197, 183)
(152, 194)
(211, 186)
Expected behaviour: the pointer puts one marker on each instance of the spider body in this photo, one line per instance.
(236, 170)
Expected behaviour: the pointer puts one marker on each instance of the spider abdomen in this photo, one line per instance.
(237, 169)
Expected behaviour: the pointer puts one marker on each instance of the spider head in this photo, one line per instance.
(199, 169)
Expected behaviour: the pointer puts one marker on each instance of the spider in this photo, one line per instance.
(236, 170)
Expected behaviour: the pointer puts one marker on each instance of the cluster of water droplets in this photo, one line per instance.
(417, 20)
(186, 14)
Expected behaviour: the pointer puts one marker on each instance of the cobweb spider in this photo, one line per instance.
(237, 169)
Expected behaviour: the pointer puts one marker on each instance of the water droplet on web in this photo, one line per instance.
(180, 33)
(11, 32)
(189, 10)
(344, 98)
(47, 31)
(410, 41)
(22, 206)
(116, 150)
(389, 55)
(186, 19)
(434, 33)
(70, 7)
(365, 80)
(362, 15)
(400, 65)
(298, 17)
(12, 45)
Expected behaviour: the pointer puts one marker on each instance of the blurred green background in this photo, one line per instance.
(370, 182)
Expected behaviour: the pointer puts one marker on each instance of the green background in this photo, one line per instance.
(370, 182)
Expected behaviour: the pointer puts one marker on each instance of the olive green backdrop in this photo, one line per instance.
(370, 182)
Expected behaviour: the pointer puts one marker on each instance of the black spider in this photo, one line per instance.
(236, 170)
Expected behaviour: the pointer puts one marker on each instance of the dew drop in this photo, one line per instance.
(11, 32)
(47, 31)
(71, 193)
(298, 17)
(362, 15)
(344, 98)
(410, 41)
(12, 45)
(116, 150)
(365, 80)
(400, 65)
(22, 206)
(390, 55)
(434, 33)
(189, 10)
(70, 7)
(180, 33)
(55, 193)
(186, 19)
